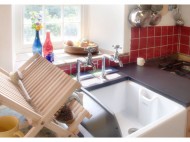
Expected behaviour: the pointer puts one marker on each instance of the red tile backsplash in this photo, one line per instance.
(158, 30)
(170, 30)
(150, 53)
(170, 49)
(184, 40)
(133, 56)
(125, 59)
(170, 39)
(142, 53)
(143, 43)
(134, 44)
(164, 40)
(150, 42)
(99, 64)
(160, 41)
(143, 32)
(157, 52)
(164, 50)
(135, 32)
(157, 41)
(175, 48)
(176, 30)
(150, 31)
(113, 64)
(88, 68)
(185, 31)
(66, 68)
(184, 49)
(164, 30)
(74, 69)
(175, 39)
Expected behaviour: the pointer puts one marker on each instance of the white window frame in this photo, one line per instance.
(18, 29)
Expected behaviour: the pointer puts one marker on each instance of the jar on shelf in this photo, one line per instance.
(48, 48)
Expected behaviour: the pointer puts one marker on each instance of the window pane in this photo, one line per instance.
(64, 22)
(52, 14)
(71, 31)
(72, 13)
(29, 34)
(28, 10)
(55, 30)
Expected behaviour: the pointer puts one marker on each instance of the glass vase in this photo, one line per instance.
(37, 46)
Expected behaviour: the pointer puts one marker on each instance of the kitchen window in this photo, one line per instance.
(64, 22)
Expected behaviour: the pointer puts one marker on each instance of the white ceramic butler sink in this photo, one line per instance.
(141, 112)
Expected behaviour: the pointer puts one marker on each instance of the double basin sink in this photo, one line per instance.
(124, 108)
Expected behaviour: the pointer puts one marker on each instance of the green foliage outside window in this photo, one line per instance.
(61, 21)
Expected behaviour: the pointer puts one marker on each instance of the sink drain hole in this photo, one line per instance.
(132, 130)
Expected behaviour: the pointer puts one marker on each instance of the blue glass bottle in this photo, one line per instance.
(37, 46)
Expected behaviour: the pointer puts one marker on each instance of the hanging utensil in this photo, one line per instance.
(164, 11)
(139, 18)
(177, 14)
(155, 18)
(144, 7)
(178, 18)
(180, 22)
(156, 8)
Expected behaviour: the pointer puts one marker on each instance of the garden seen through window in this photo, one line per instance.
(64, 23)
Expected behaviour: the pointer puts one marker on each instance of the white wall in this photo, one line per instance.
(185, 12)
(6, 51)
(167, 17)
(106, 25)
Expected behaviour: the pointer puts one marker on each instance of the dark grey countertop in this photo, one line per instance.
(165, 83)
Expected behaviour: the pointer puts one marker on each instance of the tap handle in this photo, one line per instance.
(94, 68)
(89, 49)
(116, 47)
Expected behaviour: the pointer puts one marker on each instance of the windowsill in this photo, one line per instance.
(60, 57)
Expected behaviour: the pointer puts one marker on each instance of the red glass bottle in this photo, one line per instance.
(48, 48)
